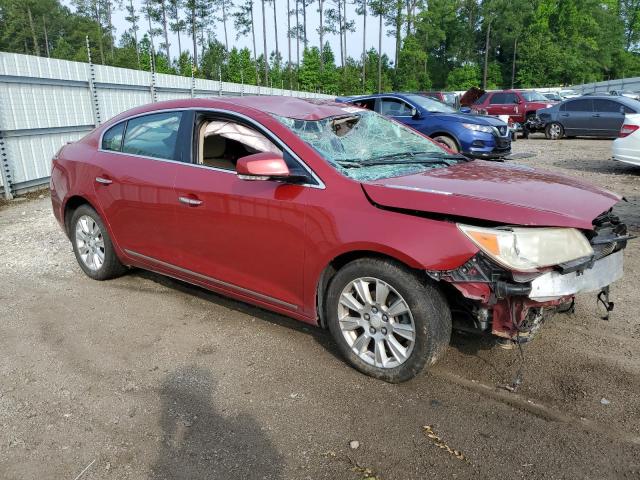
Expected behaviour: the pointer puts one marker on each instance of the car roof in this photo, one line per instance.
(290, 107)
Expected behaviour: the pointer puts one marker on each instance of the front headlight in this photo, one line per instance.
(528, 249)
(478, 128)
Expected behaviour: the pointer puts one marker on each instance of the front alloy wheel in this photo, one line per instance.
(376, 322)
(554, 131)
(388, 321)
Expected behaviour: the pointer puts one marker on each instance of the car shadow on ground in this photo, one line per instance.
(466, 343)
(321, 336)
(200, 443)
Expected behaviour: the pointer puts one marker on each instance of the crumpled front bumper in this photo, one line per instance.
(554, 285)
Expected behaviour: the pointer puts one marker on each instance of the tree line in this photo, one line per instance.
(438, 44)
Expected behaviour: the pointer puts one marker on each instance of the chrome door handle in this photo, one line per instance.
(104, 181)
(190, 201)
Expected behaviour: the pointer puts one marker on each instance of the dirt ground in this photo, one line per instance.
(147, 377)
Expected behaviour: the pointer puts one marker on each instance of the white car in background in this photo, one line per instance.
(626, 148)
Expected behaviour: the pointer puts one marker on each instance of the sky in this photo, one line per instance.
(354, 40)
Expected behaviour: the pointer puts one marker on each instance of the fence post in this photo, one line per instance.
(193, 80)
(241, 83)
(5, 168)
(219, 81)
(154, 96)
(93, 91)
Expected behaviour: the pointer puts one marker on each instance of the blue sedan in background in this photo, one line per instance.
(477, 136)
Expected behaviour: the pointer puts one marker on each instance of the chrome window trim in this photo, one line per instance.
(320, 184)
(206, 278)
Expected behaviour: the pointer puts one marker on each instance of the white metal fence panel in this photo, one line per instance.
(45, 103)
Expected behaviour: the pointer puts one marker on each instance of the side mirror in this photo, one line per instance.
(517, 100)
(415, 114)
(262, 166)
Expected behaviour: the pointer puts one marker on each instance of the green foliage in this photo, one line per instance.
(439, 43)
(464, 77)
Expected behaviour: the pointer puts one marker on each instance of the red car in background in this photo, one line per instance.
(338, 217)
(520, 105)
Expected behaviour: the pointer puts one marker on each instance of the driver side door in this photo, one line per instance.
(244, 237)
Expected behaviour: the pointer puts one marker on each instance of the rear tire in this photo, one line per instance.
(448, 142)
(404, 325)
(554, 131)
(92, 245)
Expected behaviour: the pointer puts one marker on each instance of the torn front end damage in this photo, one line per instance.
(487, 298)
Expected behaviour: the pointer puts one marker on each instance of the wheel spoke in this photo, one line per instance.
(398, 308)
(382, 292)
(362, 287)
(350, 302)
(349, 323)
(404, 330)
(380, 354)
(361, 343)
(399, 352)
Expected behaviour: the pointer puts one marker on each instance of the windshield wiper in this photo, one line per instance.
(426, 161)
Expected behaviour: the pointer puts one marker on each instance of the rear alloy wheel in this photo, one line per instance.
(448, 142)
(554, 131)
(92, 245)
(387, 322)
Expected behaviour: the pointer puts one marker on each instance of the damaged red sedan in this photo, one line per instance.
(338, 217)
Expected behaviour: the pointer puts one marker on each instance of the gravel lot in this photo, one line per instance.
(147, 377)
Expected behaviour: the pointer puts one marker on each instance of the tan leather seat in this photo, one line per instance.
(213, 150)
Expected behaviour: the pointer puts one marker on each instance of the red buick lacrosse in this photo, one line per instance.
(338, 217)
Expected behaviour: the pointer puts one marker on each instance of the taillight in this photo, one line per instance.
(627, 130)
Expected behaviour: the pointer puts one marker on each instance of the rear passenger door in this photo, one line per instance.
(134, 181)
(576, 116)
(608, 117)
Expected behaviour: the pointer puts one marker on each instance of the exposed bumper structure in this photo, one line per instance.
(554, 285)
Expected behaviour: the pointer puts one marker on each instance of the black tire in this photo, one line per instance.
(427, 305)
(554, 131)
(111, 266)
(448, 142)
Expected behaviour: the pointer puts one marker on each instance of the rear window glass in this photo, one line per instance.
(153, 135)
(112, 138)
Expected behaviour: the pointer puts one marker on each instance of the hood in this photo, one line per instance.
(470, 96)
(502, 193)
(467, 118)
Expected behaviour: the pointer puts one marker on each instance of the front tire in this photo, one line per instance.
(448, 142)
(92, 245)
(386, 320)
(554, 131)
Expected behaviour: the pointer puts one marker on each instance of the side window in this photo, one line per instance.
(222, 142)
(510, 98)
(628, 109)
(499, 99)
(581, 105)
(481, 99)
(607, 106)
(394, 108)
(369, 104)
(112, 138)
(153, 135)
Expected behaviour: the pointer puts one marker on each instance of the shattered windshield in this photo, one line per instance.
(366, 146)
